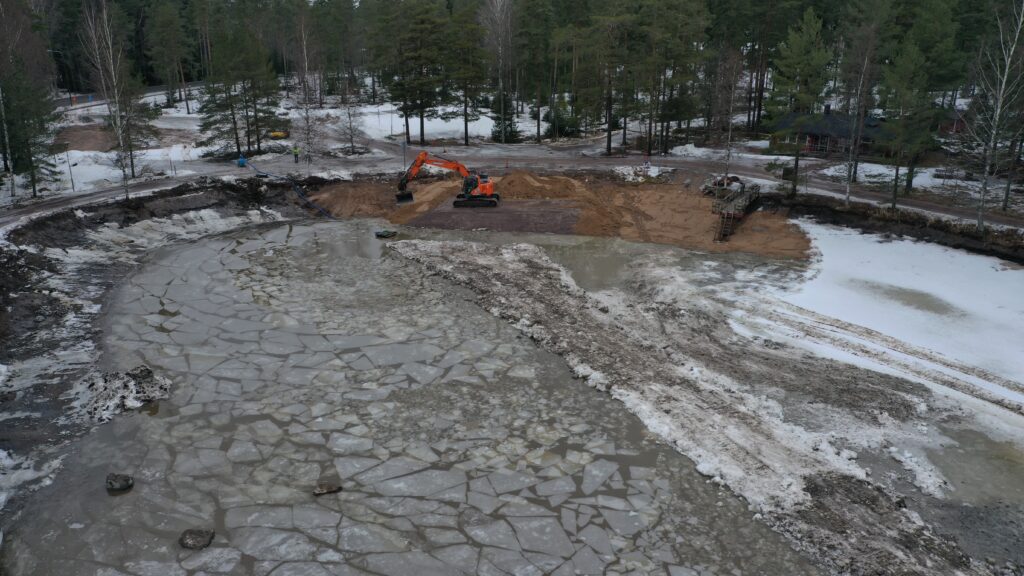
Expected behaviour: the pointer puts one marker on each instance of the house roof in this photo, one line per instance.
(833, 124)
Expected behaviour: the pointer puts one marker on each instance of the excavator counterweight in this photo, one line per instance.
(477, 191)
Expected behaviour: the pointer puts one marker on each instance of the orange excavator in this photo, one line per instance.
(477, 190)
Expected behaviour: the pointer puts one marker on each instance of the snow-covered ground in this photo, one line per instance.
(882, 174)
(940, 181)
(385, 121)
(963, 306)
(936, 315)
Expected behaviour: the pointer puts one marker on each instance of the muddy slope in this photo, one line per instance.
(676, 368)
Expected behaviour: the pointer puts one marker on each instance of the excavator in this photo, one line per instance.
(477, 191)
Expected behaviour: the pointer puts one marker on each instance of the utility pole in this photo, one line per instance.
(67, 157)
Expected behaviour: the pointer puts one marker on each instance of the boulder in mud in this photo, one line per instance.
(195, 539)
(119, 482)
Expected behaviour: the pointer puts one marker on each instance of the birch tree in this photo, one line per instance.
(1000, 86)
(309, 68)
(105, 52)
(497, 16)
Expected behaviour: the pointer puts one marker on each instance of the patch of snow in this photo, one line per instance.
(16, 471)
(100, 397)
(641, 173)
(333, 174)
(691, 151)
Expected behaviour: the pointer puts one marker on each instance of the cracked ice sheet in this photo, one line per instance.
(459, 460)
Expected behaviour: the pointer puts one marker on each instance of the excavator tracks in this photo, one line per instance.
(463, 201)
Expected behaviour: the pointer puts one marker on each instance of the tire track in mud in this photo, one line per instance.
(879, 348)
(806, 487)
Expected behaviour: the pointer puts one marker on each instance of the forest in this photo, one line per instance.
(674, 70)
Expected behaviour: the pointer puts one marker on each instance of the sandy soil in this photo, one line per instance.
(87, 138)
(655, 213)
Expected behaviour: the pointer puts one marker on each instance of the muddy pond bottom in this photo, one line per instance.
(299, 355)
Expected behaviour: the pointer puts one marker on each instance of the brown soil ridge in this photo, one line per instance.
(657, 213)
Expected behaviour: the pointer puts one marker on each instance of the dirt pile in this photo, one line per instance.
(659, 213)
(88, 138)
(376, 199)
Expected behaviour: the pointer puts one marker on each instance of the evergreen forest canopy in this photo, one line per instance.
(581, 66)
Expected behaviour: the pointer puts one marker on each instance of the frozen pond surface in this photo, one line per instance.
(299, 356)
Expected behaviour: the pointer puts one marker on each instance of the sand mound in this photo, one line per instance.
(376, 199)
(656, 213)
(86, 137)
(520, 185)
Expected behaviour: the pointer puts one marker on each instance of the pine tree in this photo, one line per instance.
(467, 63)
(801, 77)
(535, 26)
(419, 79)
(907, 105)
(168, 48)
(242, 94)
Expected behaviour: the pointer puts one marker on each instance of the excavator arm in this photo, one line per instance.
(426, 159)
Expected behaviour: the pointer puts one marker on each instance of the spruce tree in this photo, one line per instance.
(30, 127)
(506, 127)
(800, 78)
(907, 104)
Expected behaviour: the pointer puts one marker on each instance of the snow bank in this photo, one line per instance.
(641, 173)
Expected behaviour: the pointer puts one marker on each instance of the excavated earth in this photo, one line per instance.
(673, 212)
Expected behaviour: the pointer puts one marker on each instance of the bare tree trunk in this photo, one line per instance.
(105, 53)
(608, 110)
(184, 84)
(8, 160)
(423, 136)
(896, 180)
(1014, 160)
(465, 118)
(796, 164)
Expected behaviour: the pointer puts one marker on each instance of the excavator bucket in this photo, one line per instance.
(404, 197)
